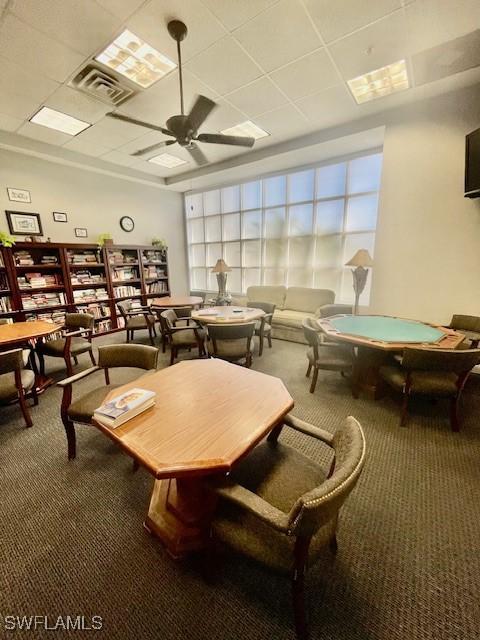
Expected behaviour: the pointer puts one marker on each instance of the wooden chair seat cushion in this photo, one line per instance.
(187, 337)
(438, 383)
(82, 409)
(266, 328)
(55, 348)
(331, 358)
(8, 390)
(140, 322)
(279, 475)
(232, 349)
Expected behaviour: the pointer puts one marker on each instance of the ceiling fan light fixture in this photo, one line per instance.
(167, 160)
(135, 59)
(380, 82)
(248, 129)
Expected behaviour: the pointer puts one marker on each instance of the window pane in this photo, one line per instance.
(234, 281)
(214, 253)
(252, 253)
(364, 174)
(251, 277)
(329, 216)
(299, 278)
(300, 252)
(362, 213)
(232, 253)
(328, 279)
(300, 220)
(252, 195)
(275, 223)
(195, 230)
(231, 227)
(347, 294)
(194, 205)
(213, 229)
(252, 224)
(212, 281)
(275, 191)
(274, 276)
(199, 279)
(328, 252)
(300, 186)
(212, 202)
(331, 180)
(275, 253)
(231, 199)
(197, 255)
(357, 241)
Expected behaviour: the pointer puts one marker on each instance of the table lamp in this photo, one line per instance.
(361, 261)
(221, 269)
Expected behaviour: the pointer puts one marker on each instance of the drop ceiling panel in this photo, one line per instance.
(336, 18)
(259, 96)
(105, 137)
(44, 134)
(88, 147)
(279, 35)
(308, 75)
(224, 66)
(373, 47)
(36, 52)
(233, 13)
(84, 26)
(122, 9)
(22, 92)
(222, 117)
(283, 123)
(9, 123)
(329, 107)
(144, 141)
(118, 157)
(77, 104)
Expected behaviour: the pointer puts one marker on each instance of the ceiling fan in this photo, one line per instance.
(184, 128)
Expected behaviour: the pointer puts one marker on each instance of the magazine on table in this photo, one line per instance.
(122, 408)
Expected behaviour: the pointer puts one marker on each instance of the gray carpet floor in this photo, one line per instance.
(408, 565)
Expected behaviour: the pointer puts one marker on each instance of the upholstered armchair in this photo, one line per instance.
(469, 326)
(280, 508)
(181, 336)
(114, 356)
(16, 382)
(183, 318)
(232, 342)
(329, 310)
(76, 339)
(326, 355)
(137, 319)
(431, 372)
(263, 327)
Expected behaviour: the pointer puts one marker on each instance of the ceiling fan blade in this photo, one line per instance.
(140, 123)
(152, 147)
(200, 111)
(218, 138)
(196, 153)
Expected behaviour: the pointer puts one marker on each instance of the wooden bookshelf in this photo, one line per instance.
(63, 277)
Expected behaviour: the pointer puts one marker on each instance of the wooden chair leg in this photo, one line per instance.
(68, 364)
(269, 338)
(314, 379)
(260, 345)
(298, 587)
(150, 333)
(23, 406)
(172, 354)
(309, 369)
(71, 437)
(34, 394)
(164, 344)
(333, 544)
(454, 417)
(128, 335)
(75, 359)
(135, 466)
(92, 357)
(41, 361)
(404, 413)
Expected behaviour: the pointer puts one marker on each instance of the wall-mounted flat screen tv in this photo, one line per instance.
(472, 165)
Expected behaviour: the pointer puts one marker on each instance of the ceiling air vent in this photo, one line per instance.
(102, 86)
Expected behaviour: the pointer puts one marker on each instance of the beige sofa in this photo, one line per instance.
(293, 305)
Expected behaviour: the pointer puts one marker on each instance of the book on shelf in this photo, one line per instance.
(5, 304)
(125, 291)
(89, 295)
(4, 281)
(56, 317)
(43, 299)
(86, 277)
(95, 309)
(83, 257)
(33, 280)
(1, 261)
(23, 258)
(102, 326)
(152, 271)
(7, 321)
(124, 273)
(49, 259)
(124, 407)
(157, 287)
(153, 255)
(119, 257)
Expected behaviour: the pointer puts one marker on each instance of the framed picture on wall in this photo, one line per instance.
(59, 216)
(81, 232)
(18, 195)
(21, 223)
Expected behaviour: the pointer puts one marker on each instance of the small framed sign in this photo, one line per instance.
(21, 223)
(18, 195)
(80, 232)
(59, 216)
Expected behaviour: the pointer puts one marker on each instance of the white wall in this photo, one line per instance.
(97, 202)
(427, 249)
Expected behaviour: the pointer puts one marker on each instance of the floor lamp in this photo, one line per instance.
(361, 261)
(221, 269)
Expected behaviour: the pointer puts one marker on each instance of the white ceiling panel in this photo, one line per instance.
(329, 107)
(9, 123)
(336, 18)
(279, 35)
(77, 104)
(432, 22)
(36, 52)
(150, 23)
(259, 96)
(233, 13)
(224, 66)
(283, 123)
(44, 134)
(122, 9)
(88, 147)
(307, 75)
(118, 157)
(222, 117)
(373, 47)
(105, 136)
(82, 25)
(144, 141)
(121, 129)
(22, 92)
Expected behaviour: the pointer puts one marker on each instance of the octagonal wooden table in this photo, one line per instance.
(227, 315)
(208, 415)
(172, 302)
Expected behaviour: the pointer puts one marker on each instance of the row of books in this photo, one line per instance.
(124, 273)
(43, 299)
(157, 287)
(4, 281)
(154, 256)
(24, 258)
(125, 291)
(5, 304)
(95, 309)
(83, 257)
(153, 272)
(119, 257)
(89, 295)
(36, 280)
(102, 326)
(57, 317)
(86, 277)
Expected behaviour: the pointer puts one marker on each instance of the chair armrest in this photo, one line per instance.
(77, 377)
(308, 429)
(77, 332)
(255, 505)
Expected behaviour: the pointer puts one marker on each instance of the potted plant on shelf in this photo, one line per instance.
(105, 240)
(160, 243)
(6, 240)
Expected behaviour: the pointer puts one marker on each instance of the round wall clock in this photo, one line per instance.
(127, 223)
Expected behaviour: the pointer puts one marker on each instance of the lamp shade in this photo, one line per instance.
(221, 267)
(361, 259)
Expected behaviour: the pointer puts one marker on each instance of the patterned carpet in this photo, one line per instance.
(408, 566)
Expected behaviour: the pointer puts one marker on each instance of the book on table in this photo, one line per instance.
(124, 407)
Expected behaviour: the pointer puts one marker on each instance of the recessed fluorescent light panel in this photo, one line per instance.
(247, 128)
(379, 83)
(135, 59)
(167, 160)
(59, 121)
